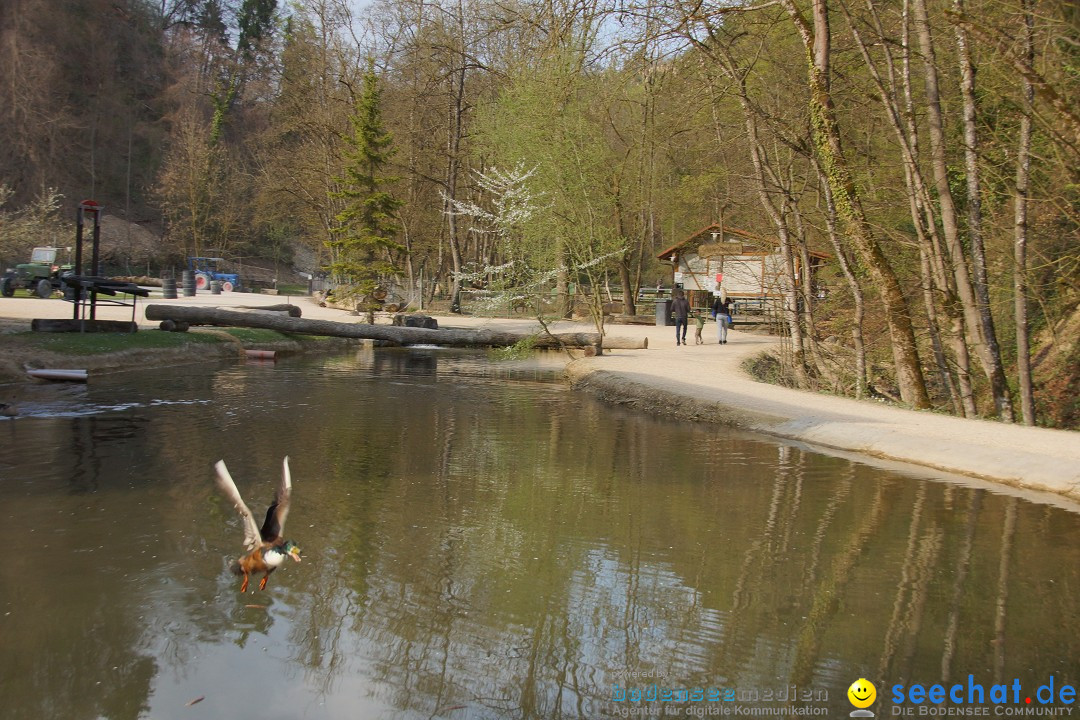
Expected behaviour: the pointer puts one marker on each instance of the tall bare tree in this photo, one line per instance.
(817, 41)
(1021, 194)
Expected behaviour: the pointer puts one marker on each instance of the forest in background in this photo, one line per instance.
(930, 146)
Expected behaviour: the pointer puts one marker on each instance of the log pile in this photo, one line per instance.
(386, 333)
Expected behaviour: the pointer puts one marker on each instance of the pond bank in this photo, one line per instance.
(104, 353)
(706, 383)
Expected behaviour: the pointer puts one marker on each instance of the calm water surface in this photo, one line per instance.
(480, 542)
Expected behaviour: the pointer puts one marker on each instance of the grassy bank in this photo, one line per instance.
(22, 349)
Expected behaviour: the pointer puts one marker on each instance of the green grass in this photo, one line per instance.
(86, 344)
(26, 293)
(101, 343)
(291, 289)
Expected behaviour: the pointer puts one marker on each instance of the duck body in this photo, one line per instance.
(266, 547)
(264, 559)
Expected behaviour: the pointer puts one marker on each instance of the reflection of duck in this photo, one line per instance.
(8, 410)
(267, 549)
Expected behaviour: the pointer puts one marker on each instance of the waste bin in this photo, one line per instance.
(663, 313)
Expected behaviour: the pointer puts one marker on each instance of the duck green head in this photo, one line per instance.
(291, 549)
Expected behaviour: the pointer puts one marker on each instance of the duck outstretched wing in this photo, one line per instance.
(274, 524)
(251, 528)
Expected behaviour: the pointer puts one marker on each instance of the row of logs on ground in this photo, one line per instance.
(387, 334)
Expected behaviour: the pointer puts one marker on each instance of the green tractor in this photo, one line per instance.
(40, 276)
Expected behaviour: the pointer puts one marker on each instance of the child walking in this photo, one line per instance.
(699, 321)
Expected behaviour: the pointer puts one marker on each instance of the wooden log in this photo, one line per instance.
(56, 374)
(386, 333)
(622, 343)
(290, 310)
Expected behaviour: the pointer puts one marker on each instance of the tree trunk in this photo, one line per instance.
(909, 375)
(387, 333)
(995, 370)
(790, 293)
(853, 285)
(778, 216)
(932, 263)
(453, 165)
(1020, 232)
(807, 298)
(948, 214)
(935, 335)
(629, 291)
(564, 305)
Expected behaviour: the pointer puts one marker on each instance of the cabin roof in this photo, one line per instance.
(728, 230)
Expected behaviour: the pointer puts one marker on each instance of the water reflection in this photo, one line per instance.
(481, 543)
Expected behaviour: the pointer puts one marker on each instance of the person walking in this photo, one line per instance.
(721, 310)
(699, 325)
(680, 308)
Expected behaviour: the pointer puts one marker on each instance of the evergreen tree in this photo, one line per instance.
(362, 244)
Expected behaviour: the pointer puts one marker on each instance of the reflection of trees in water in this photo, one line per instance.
(503, 584)
(963, 564)
(1008, 532)
(481, 544)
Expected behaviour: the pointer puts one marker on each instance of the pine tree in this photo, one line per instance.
(362, 245)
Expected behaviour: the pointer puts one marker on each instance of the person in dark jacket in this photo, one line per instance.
(680, 308)
(721, 310)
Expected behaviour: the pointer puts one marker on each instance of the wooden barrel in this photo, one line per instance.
(168, 288)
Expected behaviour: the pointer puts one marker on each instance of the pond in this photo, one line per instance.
(481, 542)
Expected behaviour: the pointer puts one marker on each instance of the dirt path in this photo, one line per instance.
(706, 382)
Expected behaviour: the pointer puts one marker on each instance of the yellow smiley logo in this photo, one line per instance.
(862, 693)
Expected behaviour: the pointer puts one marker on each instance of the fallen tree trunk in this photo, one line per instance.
(290, 310)
(52, 374)
(385, 333)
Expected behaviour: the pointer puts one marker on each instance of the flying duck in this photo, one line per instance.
(267, 549)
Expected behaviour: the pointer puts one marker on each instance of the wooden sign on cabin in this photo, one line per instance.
(713, 249)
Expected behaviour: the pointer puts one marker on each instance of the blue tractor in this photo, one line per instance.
(206, 270)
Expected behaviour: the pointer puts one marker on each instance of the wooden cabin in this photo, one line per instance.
(745, 266)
